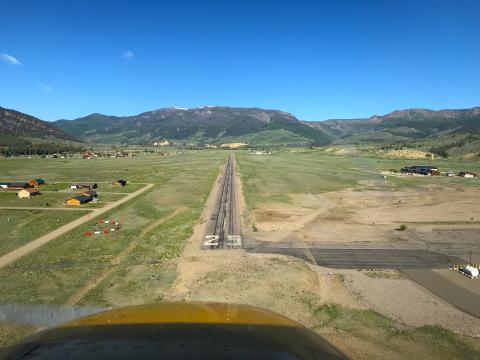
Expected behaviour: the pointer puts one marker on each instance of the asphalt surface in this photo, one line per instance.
(364, 256)
(458, 296)
(223, 228)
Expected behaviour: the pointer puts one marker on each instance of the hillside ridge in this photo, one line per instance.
(17, 124)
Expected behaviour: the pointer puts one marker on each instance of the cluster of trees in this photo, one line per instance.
(24, 148)
(440, 150)
(443, 149)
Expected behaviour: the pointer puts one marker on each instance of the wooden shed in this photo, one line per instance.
(79, 200)
(27, 193)
(36, 182)
(118, 183)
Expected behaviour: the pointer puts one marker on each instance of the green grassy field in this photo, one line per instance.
(102, 187)
(58, 269)
(21, 226)
(272, 178)
(150, 269)
(71, 170)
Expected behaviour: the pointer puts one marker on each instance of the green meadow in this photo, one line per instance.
(55, 271)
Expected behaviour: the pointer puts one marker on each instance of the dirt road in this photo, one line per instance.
(16, 254)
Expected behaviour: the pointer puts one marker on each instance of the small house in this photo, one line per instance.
(118, 183)
(27, 193)
(79, 200)
(36, 182)
(83, 186)
(18, 185)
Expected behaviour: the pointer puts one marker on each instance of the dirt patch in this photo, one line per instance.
(340, 150)
(233, 145)
(370, 215)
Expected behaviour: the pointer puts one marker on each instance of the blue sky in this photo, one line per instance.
(315, 59)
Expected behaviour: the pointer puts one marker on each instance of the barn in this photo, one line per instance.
(27, 193)
(18, 185)
(79, 200)
(119, 183)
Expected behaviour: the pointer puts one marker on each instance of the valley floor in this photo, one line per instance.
(302, 197)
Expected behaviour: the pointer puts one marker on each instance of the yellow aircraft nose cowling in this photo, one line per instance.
(183, 330)
(185, 312)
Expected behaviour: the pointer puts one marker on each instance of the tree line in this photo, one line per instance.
(38, 149)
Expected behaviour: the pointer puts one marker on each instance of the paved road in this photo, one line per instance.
(223, 228)
(359, 256)
(456, 295)
(16, 254)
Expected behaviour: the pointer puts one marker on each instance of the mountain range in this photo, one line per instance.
(17, 127)
(211, 124)
(402, 125)
(257, 127)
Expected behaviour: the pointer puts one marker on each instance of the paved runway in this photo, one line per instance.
(223, 228)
